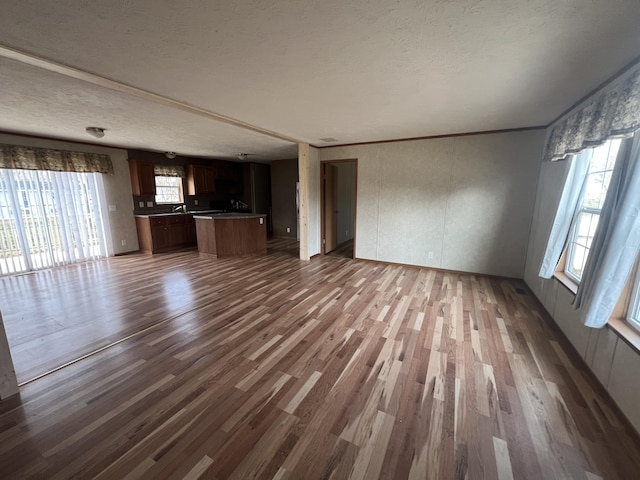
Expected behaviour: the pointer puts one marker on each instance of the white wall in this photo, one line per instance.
(468, 200)
(345, 194)
(117, 187)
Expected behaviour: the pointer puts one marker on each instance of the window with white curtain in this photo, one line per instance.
(587, 215)
(50, 218)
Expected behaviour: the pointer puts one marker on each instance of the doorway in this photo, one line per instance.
(338, 207)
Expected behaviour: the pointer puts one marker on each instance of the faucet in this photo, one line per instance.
(177, 208)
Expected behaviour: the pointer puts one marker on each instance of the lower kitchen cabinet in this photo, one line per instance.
(165, 232)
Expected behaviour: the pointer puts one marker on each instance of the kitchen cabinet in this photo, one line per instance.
(200, 179)
(229, 178)
(143, 179)
(224, 177)
(157, 233)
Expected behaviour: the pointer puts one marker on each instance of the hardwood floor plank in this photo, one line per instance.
(268, 367)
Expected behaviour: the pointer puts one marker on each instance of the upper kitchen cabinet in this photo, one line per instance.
(229, 178)
(200, 179)
(143, 180)
(223, 178)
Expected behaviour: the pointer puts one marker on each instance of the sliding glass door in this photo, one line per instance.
(49, 218)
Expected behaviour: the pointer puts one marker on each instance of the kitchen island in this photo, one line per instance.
(224, 234)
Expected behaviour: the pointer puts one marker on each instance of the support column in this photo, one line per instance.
(8, 380)
(303, 178)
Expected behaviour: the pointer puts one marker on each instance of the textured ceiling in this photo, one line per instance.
(359, 70)
(57, 106)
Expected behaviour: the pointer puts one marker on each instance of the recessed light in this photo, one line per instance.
(95, 132)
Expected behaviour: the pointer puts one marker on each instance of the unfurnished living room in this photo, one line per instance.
(293, 240)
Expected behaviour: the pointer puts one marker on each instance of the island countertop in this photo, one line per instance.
(228, 215)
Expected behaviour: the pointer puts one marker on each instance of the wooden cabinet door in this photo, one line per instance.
(190, 231)
(200, 179)
(143, 179)
(160, 238)
(210, 179)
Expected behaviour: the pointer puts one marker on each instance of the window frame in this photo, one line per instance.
(179, 188)
(573, 237)
(633, 311)
(573, 241)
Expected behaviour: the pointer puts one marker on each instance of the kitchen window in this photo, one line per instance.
(585, 222)
(168, 189)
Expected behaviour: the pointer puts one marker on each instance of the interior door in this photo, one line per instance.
(330, 210)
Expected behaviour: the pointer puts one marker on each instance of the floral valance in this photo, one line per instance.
(32, 158)
(612, 112)
(169, 170)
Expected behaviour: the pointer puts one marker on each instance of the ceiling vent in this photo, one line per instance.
(328, 139)
(95, 132)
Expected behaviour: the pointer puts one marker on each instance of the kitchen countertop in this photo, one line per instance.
(147, 215)
(172, 214)
(228, 215)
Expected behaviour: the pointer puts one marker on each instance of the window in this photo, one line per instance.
(50, 218)
(587, 214)
(168, 189)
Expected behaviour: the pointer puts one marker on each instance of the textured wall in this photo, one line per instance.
(117, 187)
(284, 175)
(468, 200)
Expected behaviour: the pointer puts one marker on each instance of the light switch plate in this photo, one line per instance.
(141, 204)
(112, 208)
(149, 204)
(261, 220)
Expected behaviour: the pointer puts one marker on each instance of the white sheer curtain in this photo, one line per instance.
(616, 242)
(50, 218)
(574, 183)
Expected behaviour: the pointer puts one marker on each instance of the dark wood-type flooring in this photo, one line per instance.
(345, 250)
(269, 367)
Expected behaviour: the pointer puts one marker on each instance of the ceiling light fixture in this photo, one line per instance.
(95, 132)
(243, 156)
(170, 155)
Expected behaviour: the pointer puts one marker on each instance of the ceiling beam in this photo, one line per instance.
(71, 72)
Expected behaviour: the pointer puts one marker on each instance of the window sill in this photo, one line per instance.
(630, 335)
(567, 281)
(620, 326)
